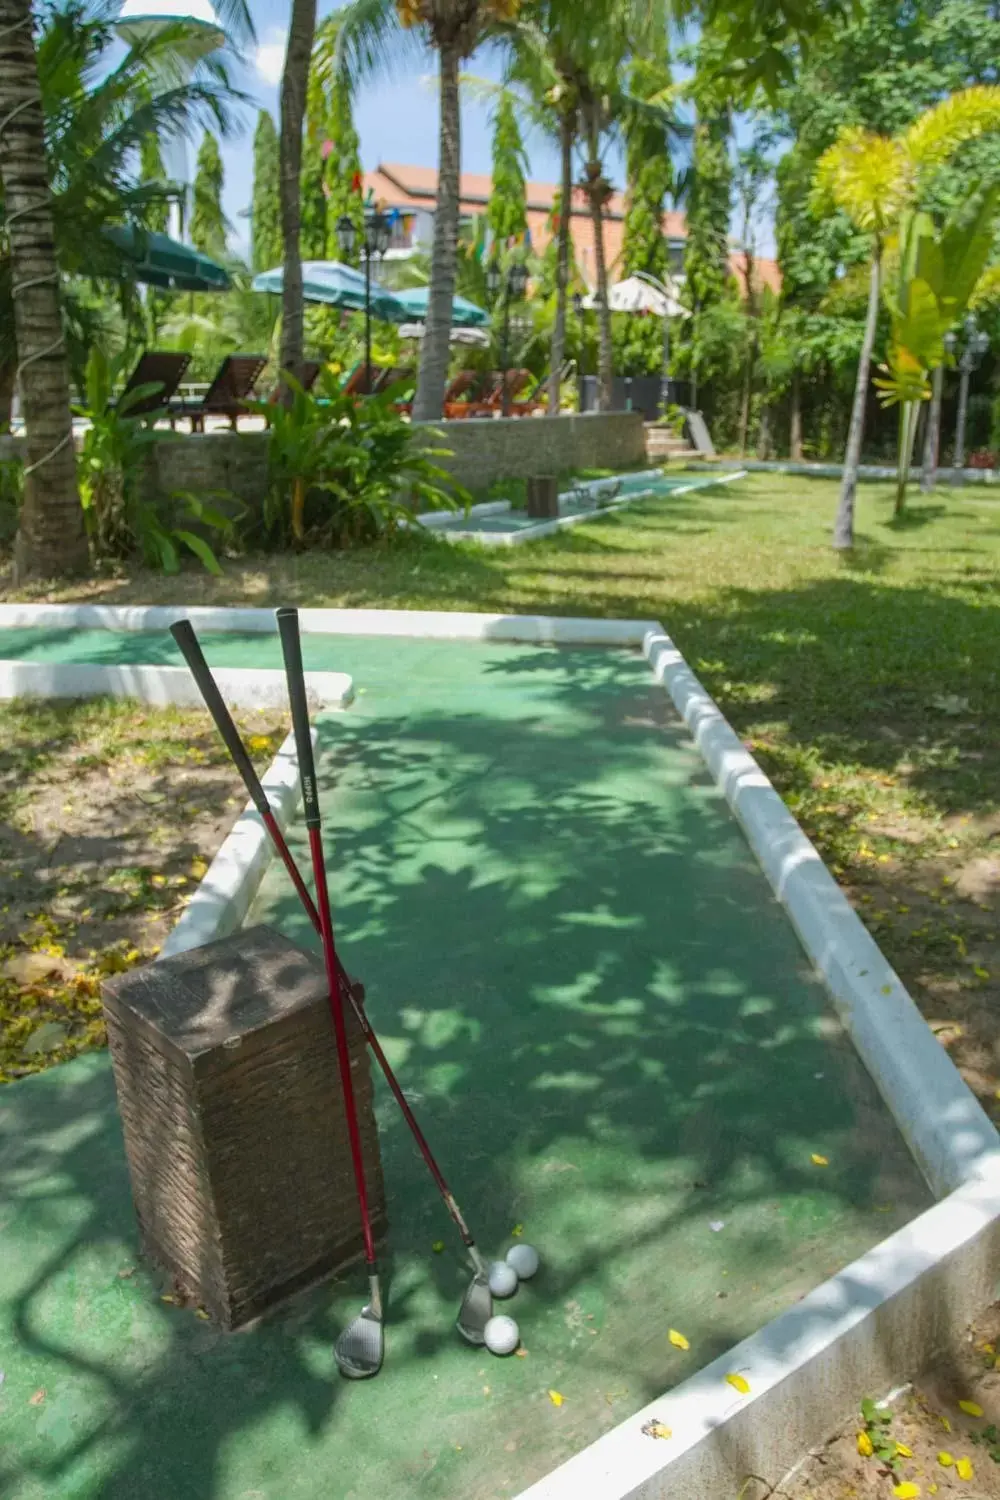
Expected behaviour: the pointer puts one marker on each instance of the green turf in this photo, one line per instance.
(611, 1035)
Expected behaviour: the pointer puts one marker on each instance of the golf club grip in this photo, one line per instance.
(291, 650)
(190, 648)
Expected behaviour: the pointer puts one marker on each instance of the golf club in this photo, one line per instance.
(477, 1304)
(360, 1347)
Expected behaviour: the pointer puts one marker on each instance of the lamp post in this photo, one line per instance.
(514, 286)
(974, 345)
(376, 237)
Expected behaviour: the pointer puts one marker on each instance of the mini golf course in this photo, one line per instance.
(615, 1044)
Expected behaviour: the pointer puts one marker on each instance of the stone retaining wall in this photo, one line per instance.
(484, 451)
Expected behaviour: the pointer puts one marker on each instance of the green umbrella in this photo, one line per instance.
(337, 285)
(464, 314)
(160, 261)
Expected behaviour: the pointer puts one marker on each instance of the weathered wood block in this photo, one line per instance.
(543, 497)
(225, 1065)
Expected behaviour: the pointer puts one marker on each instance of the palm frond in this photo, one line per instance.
(935, 137)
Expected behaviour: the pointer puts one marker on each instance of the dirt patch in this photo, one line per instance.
(945, 1430)
(109, 815)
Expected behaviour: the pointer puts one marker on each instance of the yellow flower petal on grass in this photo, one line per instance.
(963, 1469)
(555, 1398)
(906, 1491)
(819, 1161)
(738, 1383)
(971, 1408)
(945, 1459)
(678, 1340)
(865, 1446)
(902, 1451)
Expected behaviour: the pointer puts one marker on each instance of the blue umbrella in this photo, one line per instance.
(464, 314)
(337, 286)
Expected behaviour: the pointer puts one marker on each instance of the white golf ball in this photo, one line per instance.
(501, 1335)
(503, 1279)
(524, 1259)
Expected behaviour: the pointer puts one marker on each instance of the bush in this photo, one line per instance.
(344, 470)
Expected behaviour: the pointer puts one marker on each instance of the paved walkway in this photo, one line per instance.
(612, 1038)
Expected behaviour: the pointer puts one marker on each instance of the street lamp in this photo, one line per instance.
(376, 237)
(514, 285)
(974, 345)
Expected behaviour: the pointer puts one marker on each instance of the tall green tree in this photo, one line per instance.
(72, 120)
(876, 179)
(706, 250)
(648, 171)
(265, 212)
(208, 222)
(454, 29)
(332, 180)
(294, 89)
(342, 169)
(507, 211)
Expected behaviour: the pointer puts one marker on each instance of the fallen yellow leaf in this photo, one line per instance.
(906, 1491)
(945, 1459)
(656, 1429)
(932, 1489)
(865, 1446)
(36, 1399)
(158, 880)
(902, 1451)
(971, 1408)
(201, 1313)
(555, 1398)
(678, 1340)
(945, 1423)
(963, 1469)
(738, 1383)
(819, 1161)
(989, 1349)
(198, 867)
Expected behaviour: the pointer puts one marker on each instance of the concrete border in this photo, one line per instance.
(949, 1134)
(559, 523)
(226, 891)
(865, 471)
(447, 625)
(240, 686)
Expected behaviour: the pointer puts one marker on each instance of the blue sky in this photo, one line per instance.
(396, 117)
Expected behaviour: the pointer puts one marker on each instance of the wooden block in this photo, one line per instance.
(225, 1065)
(543, 497)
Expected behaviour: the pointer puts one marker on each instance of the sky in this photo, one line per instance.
(396, 118)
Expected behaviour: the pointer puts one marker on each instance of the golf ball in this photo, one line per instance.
(503, 1279)
(501, 1335)
(524, 1259)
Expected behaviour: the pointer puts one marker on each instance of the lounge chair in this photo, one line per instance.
(157, 367)
(364, 380)
(491, 404)
(468, 383)
(228, 393)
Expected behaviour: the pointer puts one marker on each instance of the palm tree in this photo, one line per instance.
(50, 538)
(454, 29)
(71, 131)
(294, 88)
(874, 179)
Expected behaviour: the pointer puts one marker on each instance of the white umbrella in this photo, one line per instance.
(477, 336)
(634, 295)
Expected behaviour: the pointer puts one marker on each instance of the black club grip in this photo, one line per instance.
(189, 647)
(291, 649)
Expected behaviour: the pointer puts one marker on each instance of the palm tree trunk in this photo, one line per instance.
(843, 529)
(294, 87)
(795, 420)
(909, 411)
(932, 436)
(434, 349)
(51, 538)
(558, 351)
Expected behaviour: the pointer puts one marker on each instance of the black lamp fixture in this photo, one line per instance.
(377, 237)
(378, 234)
(347, 235)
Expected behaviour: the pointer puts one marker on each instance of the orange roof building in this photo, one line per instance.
(412, 192)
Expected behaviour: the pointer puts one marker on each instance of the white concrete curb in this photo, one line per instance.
(232, 880)
(949, 1134)
(240, 686)
(550, 528)
(447, 625)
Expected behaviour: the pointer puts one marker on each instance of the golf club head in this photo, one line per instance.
(360, 1348)
(476, 1311)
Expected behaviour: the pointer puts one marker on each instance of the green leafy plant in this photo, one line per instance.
(879, 1444)
(344, 470)
(120, 521)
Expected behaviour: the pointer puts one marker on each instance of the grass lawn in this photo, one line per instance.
(109, 814)
(869, 688)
